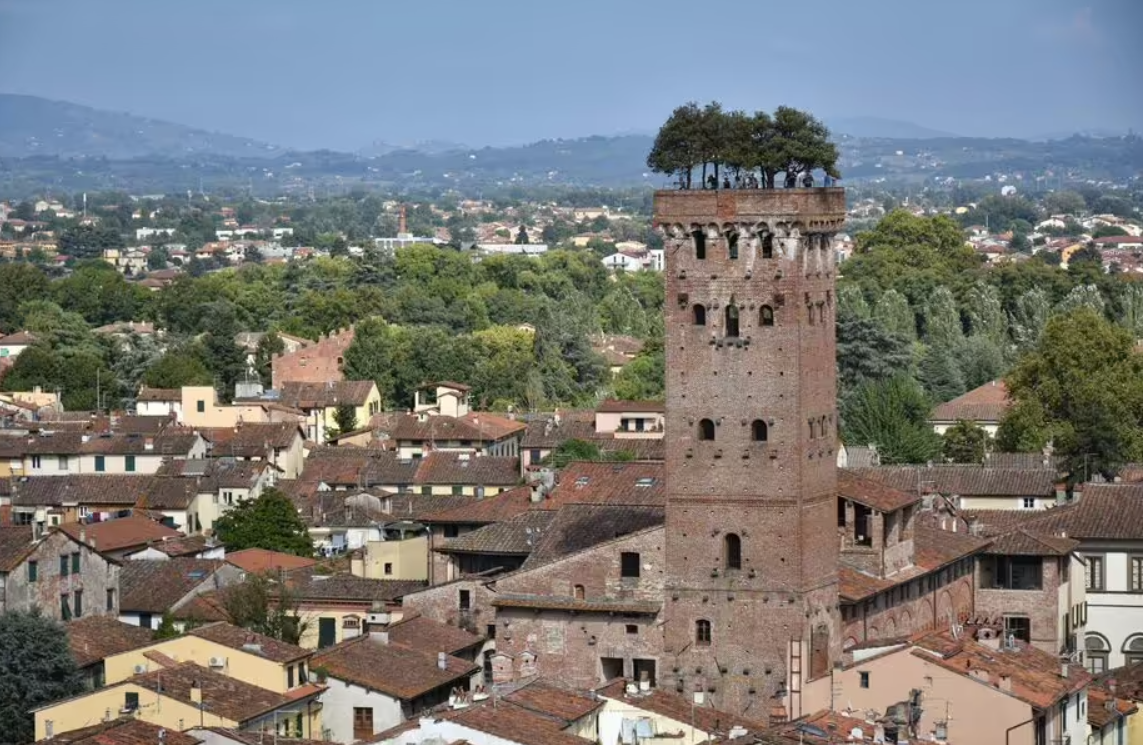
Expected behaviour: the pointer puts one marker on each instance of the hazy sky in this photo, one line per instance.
(342, 73)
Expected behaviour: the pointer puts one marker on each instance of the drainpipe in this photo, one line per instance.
(1008, 732)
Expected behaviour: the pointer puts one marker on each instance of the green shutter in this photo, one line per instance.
(129, 463)
(100, 464)
(63, 566)
(33, 571)
(75, 563)
(65, 611)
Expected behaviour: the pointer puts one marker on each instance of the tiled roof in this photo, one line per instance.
(498, 508)
(548, 698)
(239, 638)
(392, 669)
(185, 546)
(414, 428)
(934, 549)
(206, 607)
(872, 493)
(965, 480)
(326, 395)
(680, 708)
(94, 638)
(125, 731)
(443, 467)
(861, 456)
(584, 482)
(15, 544)
(611, 406)
(514, 536)
(222, 695)
(429, 636)
(120, 533)
(358, 467)
(148, 586)
(516, 724)
(855, 585)
(258, 738)
(984, 404)
(1021, 542)
(577, 527)
(545, 433)
(18, 338)
(591, 605)
(352, 589)
(217, 473)
(78, 441)
(1029, 461)
(258, 560)
(1102, 512)
(126, 490)
(1098, 713)
(493, 426)
(251, 438)
(1034, 674)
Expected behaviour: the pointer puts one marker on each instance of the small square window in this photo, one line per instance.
(33, 571)
(75, 563)
(490, 631)
(63, 566)
(629, 564)
(200, 406)
(864, 679)
(632, 628)
(465, 600)
(388, 567)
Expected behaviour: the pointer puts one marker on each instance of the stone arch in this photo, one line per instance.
(759, 431)
(698, 239)
(767, 245)
(765, 316)
(698, 314)
(944, 605)
(891, 627)
(706, 429)
(731, 320)
(849, 643)
(905, 622)
(732, 244)
(732, 551)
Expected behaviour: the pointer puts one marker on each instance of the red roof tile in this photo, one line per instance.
(613, 406)
(872, 493)
(584, 482)
(126, 731)
(259, 560)
(391, 668)
(430, 637)
(988, 403)
(95, 638)
(120, 533)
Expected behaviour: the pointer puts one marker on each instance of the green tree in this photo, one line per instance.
(522, 236)
(676, 150)
(345, 417)
(643, 378)
(980, 361)
(268, 346)
(942, 319)
(1131, 316)
(1029, 317)
(167, 628)
(265, 606)
(851, 302)
(894, 314)
(985, 313)
(271, 522)
(965, 442)
(176, 368)
(100, 294)
(1063, 203)
(1082, 390)
(19, 283)
(867, 352)
(1107, 231)
(940, 375)
(892, 415)
(38, 669)
(1082, 296)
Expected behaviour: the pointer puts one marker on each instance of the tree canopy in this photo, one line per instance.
(38, 669)
(271, 522)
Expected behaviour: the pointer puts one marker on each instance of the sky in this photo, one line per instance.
(341, 74)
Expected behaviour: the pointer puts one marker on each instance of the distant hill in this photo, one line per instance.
(31, 126)
(377, 148)
(890, 129)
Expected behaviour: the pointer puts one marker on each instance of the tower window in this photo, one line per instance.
(732, 320)
(706, 429)
(699, 314)
(759, 432)
(699, 237)
(702, 633)
(766, 316)
(732, 244)
(579, 592)
(732, 551)
(813, 429)
(768, 246)
(629, 564)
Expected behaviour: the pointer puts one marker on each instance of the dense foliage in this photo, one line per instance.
(38, 669)
(271, 522)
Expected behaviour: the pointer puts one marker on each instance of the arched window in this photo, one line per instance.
(699, 237)
(813, 430)
(732, 244)
(706, 429)
(766, 316)
(1133, 650)
(732, 551)
(579, 592)
(699, 314)
(1096, 652)
(768, 246)
(732, 320)
(822, 427)
(759, 432)
(702, 633)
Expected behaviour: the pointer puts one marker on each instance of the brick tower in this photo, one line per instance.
(751, 536)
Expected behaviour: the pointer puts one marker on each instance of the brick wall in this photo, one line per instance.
(777, 496)
(923, 603)
(97, 575)
(1041, 607)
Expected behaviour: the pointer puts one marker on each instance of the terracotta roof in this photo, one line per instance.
(426, 635)
(444, 467)
(206, 607)
(148, 586)
(19, 338)
(159, 394)
(1020, 542)
(874, 494)
(545, 433)
(391, 668)
(241, 639)
(854, 585)
(1034, 674)
(352, 589)
(326, 395)
(498, 508)
(612, 406)
(358, 467)
(516, 724)
(258, 738)
(578, 527)
(221, 694)
(493, 426)
(94, 638)
(184, 546)
(1103, 512)
(513, 536)
(1099, 715)
(106, 489)
(680, 708)
(936, 548)
(413, 428)
(988, 403)
(548, 698)
(251, 438)
(591, 605)
(15, 545)
(125, 731)
(217, 473)
(965, 480)
(119, 533)
(258, 560)
(584, 482)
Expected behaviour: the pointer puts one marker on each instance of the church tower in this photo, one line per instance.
(751, 532)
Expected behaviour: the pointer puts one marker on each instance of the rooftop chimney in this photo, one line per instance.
(195, 693)
(442, 660)
(149, 443)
